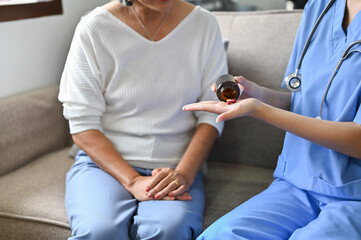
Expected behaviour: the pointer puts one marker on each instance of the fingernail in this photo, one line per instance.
(156, 196)
(147, 189)
(170, 195)
(150, 195)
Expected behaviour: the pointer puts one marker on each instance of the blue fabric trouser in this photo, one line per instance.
(283, 211)
(100, 208)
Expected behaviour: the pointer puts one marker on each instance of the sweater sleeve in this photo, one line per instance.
(80, 87)
(214, 65)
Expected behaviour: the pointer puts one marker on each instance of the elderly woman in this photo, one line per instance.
(130, 68)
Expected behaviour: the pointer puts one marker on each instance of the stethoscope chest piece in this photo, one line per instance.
(293, 82)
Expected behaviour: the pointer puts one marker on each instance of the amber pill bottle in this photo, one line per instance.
(227, 88)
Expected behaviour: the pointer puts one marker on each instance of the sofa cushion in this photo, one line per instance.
(227, 185)
(33, 206)
(31, 124)
(261, 43)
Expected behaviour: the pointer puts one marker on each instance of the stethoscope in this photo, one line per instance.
(293, 81)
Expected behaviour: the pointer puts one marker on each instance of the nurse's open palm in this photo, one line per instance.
(226, 112)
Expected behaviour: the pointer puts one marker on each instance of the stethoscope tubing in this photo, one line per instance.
(345, 55)
(297, 77)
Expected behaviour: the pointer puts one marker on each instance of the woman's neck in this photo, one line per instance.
(148, 15)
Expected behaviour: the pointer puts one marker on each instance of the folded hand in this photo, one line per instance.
(168, 182)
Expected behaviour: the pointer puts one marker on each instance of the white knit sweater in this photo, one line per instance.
(133, 89)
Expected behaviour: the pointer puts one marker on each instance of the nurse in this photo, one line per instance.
(316, 193)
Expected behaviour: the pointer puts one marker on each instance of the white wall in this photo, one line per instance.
(33, 51)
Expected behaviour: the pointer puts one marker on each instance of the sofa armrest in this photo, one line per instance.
(31, 124)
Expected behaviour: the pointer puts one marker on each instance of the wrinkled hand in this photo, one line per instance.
(137, 189)
(168, 182)
(226, 112)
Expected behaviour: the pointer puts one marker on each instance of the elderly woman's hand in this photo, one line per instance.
(140, 183)
(168, 182)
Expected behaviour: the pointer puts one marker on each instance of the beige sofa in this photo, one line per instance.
(34, 140)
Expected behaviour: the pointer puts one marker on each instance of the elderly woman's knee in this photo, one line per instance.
(100, 228)
(175, 225)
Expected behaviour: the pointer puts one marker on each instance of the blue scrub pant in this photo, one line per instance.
(283, 211)
(100, 208)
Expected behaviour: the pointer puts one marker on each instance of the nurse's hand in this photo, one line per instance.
(250, 89)
(241, 108)
(168, 182)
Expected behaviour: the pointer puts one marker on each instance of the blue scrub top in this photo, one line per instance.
(303, 163)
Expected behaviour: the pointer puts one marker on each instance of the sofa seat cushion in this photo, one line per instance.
(227, 185)
(33, 206)
(32, 199)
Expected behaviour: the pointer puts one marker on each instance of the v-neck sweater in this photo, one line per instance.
(133, 89)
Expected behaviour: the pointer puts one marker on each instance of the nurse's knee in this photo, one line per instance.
(221, 229)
